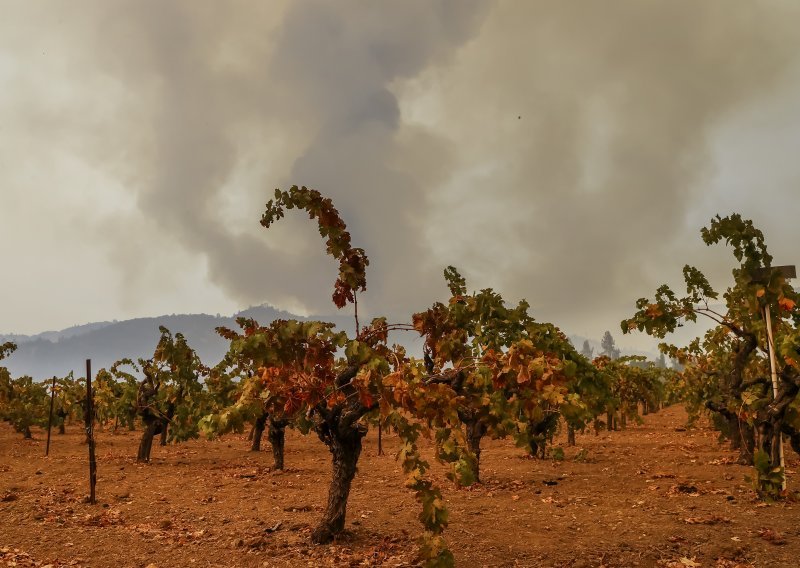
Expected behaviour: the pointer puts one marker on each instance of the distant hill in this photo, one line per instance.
(59, 352)
(56, 335)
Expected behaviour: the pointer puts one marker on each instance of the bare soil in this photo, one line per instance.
(652, 495)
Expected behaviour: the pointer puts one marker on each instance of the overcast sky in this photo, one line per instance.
(565, 152)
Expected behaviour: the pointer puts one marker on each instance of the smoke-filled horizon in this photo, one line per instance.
(567, 153)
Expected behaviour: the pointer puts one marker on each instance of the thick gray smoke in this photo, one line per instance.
(321, 85)
(598, 118)
(342, 65)
(555, 150)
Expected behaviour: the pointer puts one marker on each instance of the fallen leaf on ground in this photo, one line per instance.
(711, 520)
(772, 536)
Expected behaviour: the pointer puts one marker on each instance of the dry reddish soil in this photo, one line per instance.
(652, 495)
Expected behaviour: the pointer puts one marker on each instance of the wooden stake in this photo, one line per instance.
(773, 367)
(50, 417)
(355, 305)
(90, 432)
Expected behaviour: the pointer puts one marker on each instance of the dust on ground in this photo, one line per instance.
(655, 494)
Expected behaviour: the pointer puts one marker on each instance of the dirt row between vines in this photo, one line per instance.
(652, 495)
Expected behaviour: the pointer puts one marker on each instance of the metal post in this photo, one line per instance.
(773, 365)
(50, 417)
(90, 432)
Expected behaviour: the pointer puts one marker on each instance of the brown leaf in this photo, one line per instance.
(712, 520)
(772, 536)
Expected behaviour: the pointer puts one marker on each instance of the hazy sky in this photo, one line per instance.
(566, 152)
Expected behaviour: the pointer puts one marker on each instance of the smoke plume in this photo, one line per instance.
(559, 151)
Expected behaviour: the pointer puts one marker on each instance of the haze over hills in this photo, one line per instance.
(58, 352)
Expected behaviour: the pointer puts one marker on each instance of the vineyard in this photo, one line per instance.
(499, 444)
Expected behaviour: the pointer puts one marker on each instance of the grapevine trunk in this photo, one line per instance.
(166, 422)
(345, 447)
(151, 425)
(476, 430)
(277, 438)
(258, 432)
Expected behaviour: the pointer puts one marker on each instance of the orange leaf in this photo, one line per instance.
(366, 399)
(653, 311)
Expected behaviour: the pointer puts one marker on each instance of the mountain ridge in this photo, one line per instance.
(56, 353)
